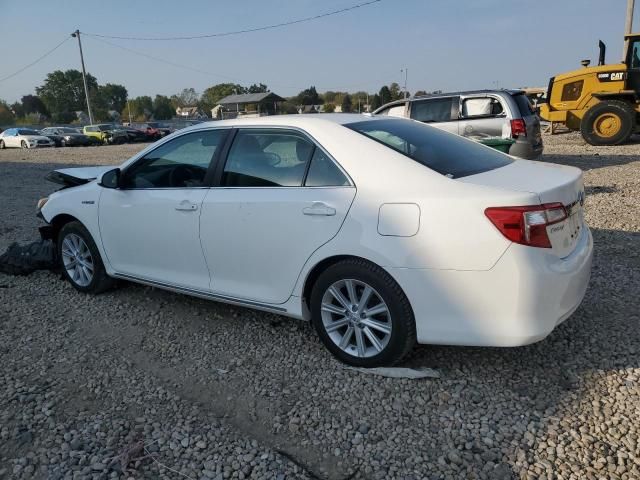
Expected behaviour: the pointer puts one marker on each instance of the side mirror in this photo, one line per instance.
(110, 179)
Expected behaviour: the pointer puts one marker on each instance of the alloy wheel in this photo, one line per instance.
(77, 260)
(356, 318)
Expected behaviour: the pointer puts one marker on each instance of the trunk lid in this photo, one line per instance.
(552, 184)
(72, 177)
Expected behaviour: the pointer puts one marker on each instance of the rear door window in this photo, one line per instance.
(524, 105)
(435, 109)
(481, 107)
(267, 158)
(443, 152)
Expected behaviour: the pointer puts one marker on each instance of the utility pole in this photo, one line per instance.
(628, 25)
(76, 34)
(405, 71)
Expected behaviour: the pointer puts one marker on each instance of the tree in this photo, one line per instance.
(141, 108)
(308, 97)
(396, 93)
(212, 95)
(162, 108)
(33, 104)
(17, 109)
(259, 88)
(6, 116)
(346, 103)
(113, 96)
(329, 108)
(375, 102)
(63, 92)
(187, 98)
(420, 93)
(385, 95)
(330, 96)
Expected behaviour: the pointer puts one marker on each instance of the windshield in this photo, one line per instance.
(69, 130)
(27, 131)
(447, 154)
(105, 128)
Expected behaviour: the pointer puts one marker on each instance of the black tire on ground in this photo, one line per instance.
(621, 118)
(23, 144)
(63, 143)
(403, 333)
(100, 281)
(2, 145)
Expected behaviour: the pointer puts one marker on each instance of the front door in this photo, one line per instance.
(150, 226)
(280, 197)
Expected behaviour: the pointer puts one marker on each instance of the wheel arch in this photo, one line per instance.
(60, 221)
(315, 272)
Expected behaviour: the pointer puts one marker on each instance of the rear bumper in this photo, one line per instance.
(519, 301)
(526, 150)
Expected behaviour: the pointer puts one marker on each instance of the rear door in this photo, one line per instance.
(439, 112)
(279, 197)
(482, 116)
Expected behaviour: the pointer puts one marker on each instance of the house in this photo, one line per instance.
(317, 109)
(247, 105)
(189, 112)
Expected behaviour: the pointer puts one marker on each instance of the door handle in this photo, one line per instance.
(186, 206)
(319, 208)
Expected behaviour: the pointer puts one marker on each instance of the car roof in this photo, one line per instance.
(296, 120)
(452, 94)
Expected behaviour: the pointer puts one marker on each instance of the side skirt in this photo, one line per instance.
(207, 295)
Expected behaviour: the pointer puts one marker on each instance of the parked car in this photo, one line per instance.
(480, 115)
(152, 130)
(134, 134)
(164, 128)
(106, 133)
(67, 136)
(24, 138)
(381, 231)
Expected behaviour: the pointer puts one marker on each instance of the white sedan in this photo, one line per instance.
(380, 231)
(24, 138)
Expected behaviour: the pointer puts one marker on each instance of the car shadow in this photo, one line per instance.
(590, 161)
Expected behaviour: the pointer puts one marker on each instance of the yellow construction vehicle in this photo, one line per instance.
(601, 101)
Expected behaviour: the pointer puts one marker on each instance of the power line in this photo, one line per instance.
(197, 70)
(247, 30)
(34, 62)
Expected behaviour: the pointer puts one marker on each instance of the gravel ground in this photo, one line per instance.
(214, 391)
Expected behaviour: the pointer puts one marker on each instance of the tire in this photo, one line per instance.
(610, 122)
(87, 254)
(2, 146)
(23, 144)
(63, 143)
(392, 345)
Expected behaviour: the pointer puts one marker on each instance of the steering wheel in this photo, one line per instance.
(181, 174)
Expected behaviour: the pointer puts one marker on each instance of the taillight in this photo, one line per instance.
(527, 225)
(518, 127)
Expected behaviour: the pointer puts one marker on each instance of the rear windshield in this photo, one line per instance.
(524, 105)
(443, 152)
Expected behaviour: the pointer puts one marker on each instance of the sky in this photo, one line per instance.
(444, 44)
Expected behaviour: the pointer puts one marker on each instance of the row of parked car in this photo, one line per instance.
(100, 134)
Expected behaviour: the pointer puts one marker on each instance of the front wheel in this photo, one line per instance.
(609, 122)
(362, 315)
(23, 144)
(80, 260)
(2, 146)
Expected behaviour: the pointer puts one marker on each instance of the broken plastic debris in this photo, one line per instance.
(400, 372)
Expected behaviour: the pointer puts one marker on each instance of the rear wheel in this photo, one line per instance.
(362, 315)
(610, 122)
(80, 260)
